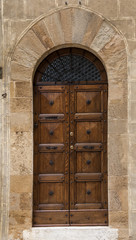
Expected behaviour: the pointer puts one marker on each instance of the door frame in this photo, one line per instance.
(89, 56)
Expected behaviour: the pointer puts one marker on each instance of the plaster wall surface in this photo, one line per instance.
(15, 17)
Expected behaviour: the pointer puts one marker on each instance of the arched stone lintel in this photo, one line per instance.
(77, 26)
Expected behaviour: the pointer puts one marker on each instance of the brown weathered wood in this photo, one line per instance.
(93, 217)
(79, 177)
(70, 150)
(87, 185)
(51, 161)
(43, 218)
(51, 177)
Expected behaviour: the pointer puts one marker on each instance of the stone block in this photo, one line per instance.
(23, 89)
(32, 45)
(117, 155)
(118, 219)
(21, 153)
(126, 27)
(15, 231)
(132, 186)
(108, 9)
(117, 109)
(26, 201)
(20, 73)
(103, 36)
(66, 21)
(132, 146)
(132, 47)
(19, 9)
(114, 47)
(132, 111)
(41, 32)
(14, 204)
(21, 122)
(1, 41)
(123, 234)
(12, 31)
(13, 10)
(54, 27)
(12, 89)
(132, 69)
(133, 223)
(36, 8)
(117, 126)
(132, 127)
(118, 62)
(20, 105)
(132, 91)
(20, 217)
(114, 201)
(118, 182)
(117, 91)
(91, 32)
(132, 237)
(21, 184)
(118, 193)
(80, 21)
(23, 58)
(115, 57)
(127, 10)
(74, 233)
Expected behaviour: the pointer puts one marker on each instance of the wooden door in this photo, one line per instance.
(70, 155)
(51, 155)
(88, 155)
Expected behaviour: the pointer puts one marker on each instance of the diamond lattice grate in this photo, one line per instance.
(70, 68)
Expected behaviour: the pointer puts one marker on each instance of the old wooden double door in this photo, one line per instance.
(70, 155)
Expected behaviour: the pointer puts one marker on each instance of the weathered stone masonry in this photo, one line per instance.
(48, 27)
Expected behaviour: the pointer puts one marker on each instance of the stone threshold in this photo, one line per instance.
(71, 233)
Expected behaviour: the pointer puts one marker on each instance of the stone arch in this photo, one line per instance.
(71, 26)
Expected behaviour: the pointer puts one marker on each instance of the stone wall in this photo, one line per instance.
(17, 16)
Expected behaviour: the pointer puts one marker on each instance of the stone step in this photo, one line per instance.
(71, 233)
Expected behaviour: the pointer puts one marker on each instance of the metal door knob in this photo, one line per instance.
(71, 147)
(71, 134)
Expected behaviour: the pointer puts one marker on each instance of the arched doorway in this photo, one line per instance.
(70, 140)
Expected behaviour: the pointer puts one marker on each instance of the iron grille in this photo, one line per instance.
(70, 68)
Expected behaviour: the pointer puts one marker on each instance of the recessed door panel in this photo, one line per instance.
(88, 192)
(51, 193)
(88, 162)
(51, 102)
(51, 163)
(89, 132)
(88, 102)
(52, 132)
